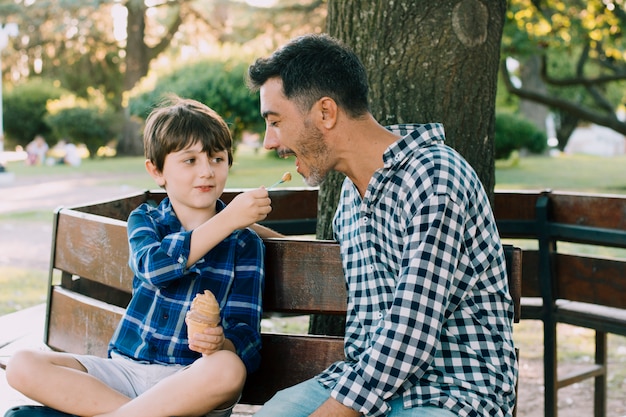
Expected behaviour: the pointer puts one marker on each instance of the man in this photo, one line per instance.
(429, 322)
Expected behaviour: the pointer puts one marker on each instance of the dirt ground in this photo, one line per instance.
(27, 244)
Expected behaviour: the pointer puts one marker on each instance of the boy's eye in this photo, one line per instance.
(189, 160)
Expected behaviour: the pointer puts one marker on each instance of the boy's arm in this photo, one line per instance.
(244, 210)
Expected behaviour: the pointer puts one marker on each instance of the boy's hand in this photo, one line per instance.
(211, 340)
(249, 207)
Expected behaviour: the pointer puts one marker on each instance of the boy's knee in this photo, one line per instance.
(18, 370)
(232, 371)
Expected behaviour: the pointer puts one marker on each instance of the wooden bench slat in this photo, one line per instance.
(590, 280)
(304, 277)
(288, 360)
(603, 211)
(80, 324)
(93, 247)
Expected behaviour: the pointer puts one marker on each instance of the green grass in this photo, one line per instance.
(21, 288)
(564, 173)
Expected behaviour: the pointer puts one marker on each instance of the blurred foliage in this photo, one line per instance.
(86, 124)
(24, 110)
(215, 82)
(514, 133)
(583, 53)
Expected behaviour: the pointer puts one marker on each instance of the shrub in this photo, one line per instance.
(84, 124)
(218, 84)
(515, 133)
(24, 110)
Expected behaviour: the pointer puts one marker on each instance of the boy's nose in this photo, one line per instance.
(207, 170)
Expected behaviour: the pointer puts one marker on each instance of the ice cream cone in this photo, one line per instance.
(204, 312)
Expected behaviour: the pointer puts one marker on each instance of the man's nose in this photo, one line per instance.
(270, 141)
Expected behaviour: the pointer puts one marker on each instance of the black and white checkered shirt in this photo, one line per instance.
(429, 312)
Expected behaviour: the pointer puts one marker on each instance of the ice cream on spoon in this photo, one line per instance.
(285, 178)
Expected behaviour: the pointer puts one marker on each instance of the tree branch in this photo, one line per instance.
(608, 120)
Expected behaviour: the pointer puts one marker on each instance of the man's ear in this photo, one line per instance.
(328, 111)
(155, 173)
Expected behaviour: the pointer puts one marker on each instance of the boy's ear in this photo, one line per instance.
(155, 173)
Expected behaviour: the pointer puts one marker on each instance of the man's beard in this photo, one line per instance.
(314, 147)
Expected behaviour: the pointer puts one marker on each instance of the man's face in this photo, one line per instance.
(292, 133)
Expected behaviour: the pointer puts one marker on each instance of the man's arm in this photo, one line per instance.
(265, 232)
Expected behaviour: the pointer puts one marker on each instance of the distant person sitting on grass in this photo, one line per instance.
(189, 243)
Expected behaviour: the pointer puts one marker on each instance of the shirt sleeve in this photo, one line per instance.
(155, 259)
(241, 315)
(405, 341)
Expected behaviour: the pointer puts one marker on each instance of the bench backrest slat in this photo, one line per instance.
(590, 280)
(93, 247)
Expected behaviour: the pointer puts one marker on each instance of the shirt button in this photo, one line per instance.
(370, 268)
(365, 220)
(379, 315)
(397, 157)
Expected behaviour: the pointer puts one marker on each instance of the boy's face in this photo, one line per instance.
(192, 179)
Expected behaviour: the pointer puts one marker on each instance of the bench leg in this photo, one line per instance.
(550, 375)
(599, 400)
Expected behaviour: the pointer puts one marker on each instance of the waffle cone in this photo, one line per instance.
(204, 312)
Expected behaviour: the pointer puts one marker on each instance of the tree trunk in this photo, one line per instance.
(530, 74)
(428, 62)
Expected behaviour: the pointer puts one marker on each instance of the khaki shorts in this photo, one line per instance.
(132, 378)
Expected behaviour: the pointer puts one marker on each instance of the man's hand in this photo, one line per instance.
(333, 408)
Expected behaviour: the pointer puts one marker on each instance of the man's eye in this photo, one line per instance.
(189, 161)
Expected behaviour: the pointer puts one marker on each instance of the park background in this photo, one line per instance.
(530, 77)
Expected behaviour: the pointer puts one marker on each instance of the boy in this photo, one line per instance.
(189, 243)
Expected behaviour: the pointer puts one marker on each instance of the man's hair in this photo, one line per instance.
(179, 123)
(315, 66)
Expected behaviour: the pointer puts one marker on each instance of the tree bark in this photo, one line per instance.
(427, 62)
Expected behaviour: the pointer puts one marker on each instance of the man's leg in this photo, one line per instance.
(297, 401)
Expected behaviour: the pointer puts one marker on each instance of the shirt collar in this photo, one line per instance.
(414, 136)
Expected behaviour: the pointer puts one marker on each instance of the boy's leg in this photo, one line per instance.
(297, 401)
(58, 380)
(211, 382)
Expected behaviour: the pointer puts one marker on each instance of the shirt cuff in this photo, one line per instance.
(351, 390)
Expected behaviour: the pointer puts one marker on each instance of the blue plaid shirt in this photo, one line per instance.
(153, 328)
(429, 311)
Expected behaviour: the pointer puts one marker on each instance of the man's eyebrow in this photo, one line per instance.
(268, 113)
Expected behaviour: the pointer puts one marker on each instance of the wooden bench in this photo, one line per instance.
(576, 286)
(90, 284)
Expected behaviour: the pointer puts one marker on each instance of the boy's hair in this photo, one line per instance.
(179, 123)
(315, 66)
